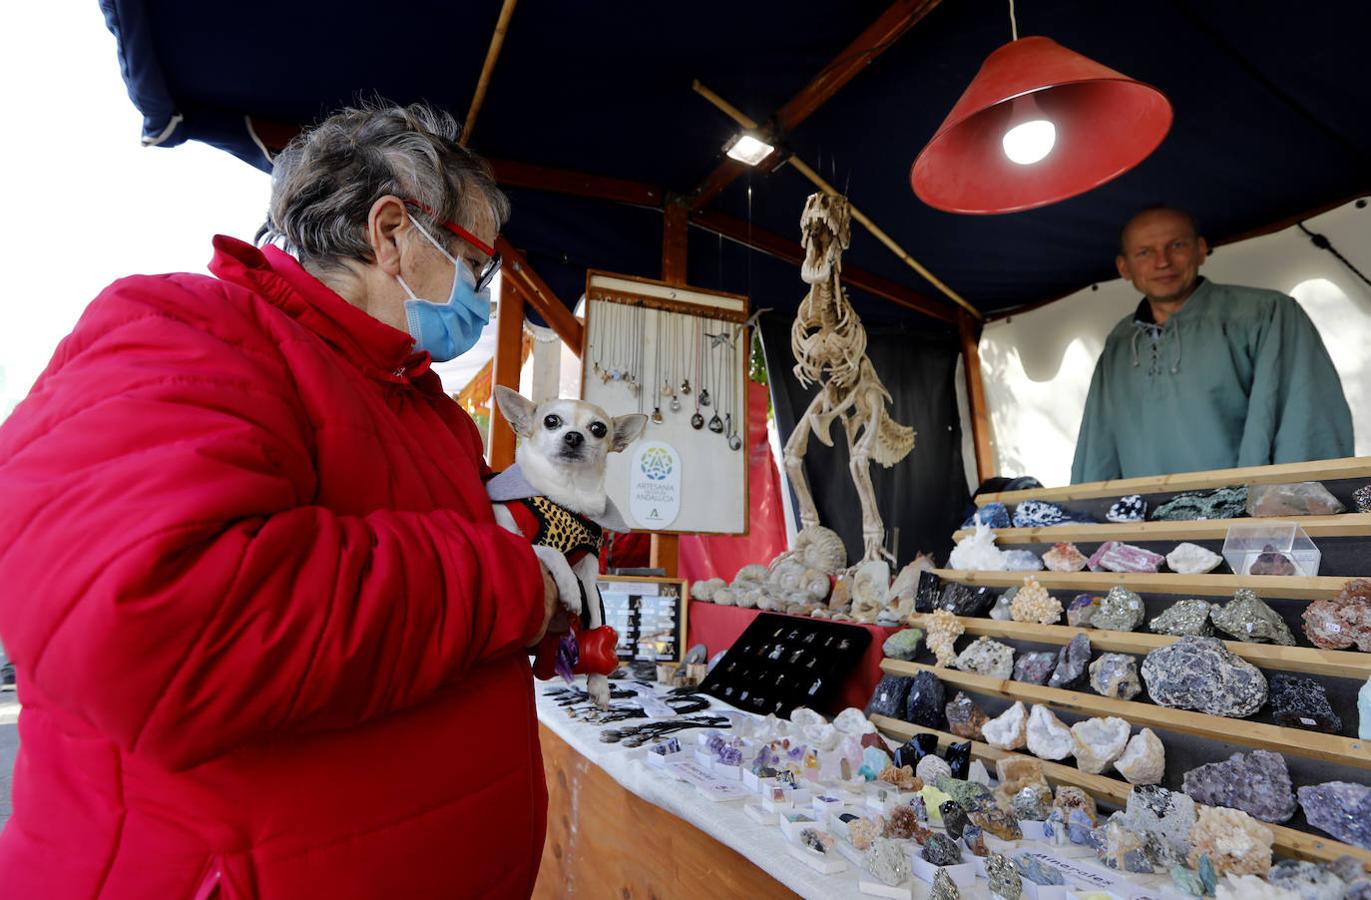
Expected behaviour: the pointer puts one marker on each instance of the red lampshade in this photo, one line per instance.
(1106, 123)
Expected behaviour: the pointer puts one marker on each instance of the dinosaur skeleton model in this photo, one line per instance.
(829, 344)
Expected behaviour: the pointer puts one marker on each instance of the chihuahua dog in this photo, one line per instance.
(554, 495)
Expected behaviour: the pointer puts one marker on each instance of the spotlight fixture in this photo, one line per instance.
(747, 147)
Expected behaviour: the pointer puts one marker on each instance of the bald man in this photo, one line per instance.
(1204, 375)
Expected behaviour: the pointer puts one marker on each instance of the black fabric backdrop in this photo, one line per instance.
(924, 495)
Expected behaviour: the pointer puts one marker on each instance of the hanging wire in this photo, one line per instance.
(1323, 243)
(1013, 23)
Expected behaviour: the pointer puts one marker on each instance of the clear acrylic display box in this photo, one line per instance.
(1246, 542)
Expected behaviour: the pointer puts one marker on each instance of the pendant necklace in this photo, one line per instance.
(716, 424)
(697, 421)
(704, 356)
(597, 337)
(677, 343)
(688, 351)
(657, 367)
(735, 441)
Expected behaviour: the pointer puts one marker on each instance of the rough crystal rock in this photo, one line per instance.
(1080, 613)
(992, 819)
(1054, 829)
(929, 590)
(926, 701)
(1004, 877)
(890, 697)
(1008, 730)
(1072, 661)
(1032, 803)
(1362, 497)
(1073, 799)
(1364, 711)
(1134, 851)
(1235, 842)
(977, 773)
(1034, 604)
(903, 644)
(1224, 503)
(943, 629)
(1121, 610)
(863, 832)
(1341, 808)
(1201, 674)
(1192, 559)
(1116, 556)
(987, 657)
(916, 748)
(1306, 498)
(1018, 772)
(965, 599)
(1344, 621)
(1251, 887)
(1040, 513)
(1185, 618)
(1064, 558)
(993, 515)
(1197, 883)
(1035, 667)
(874, 762)
(964, 717)
(977, 552)
(1001, 608)
(1309, 880)
(888, 861)
(958, 758)
(1300, 702)
(944, 888)
(814, 840)
(1115, 675)
(968, 794)
(931, 768)
(1098, 742)
(973, 838)
(1080, 830)
(1143, 760)
(1132, 508)
(1022, 561)
(1247, 618)
(941, 850)
(901, 777)
(1048, 737)
(1272, 562)
(1169, 813)
(954, 818)
(904, 825)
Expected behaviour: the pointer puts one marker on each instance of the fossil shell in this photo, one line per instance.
(750, 576)
(705, 590)
(726, 597)
(815, 584)
(821, 548)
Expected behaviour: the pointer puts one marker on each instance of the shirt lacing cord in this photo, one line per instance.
(1156, 332)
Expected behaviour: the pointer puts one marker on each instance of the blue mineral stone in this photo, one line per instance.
(992, 515)
(1037, 871)
(1128, 509)
(1040, 513)
(1054, 828)
(874, 762)
(1079, 828)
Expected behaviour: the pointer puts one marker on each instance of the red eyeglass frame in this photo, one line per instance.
(492, 264)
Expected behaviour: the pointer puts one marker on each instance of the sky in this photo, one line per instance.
(87, 203)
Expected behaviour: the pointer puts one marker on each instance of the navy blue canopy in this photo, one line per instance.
(1271, 105)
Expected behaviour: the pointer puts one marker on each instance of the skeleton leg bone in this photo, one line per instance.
(859, 462)
(794, 455)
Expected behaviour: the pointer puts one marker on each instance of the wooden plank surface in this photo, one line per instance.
(604, 841)
(1288, 841)
(1297, 741)
(1345, 525)
(1315, 587)
(1310, 660)
(1318, 470)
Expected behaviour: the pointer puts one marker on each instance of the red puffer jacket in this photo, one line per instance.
(267, 632)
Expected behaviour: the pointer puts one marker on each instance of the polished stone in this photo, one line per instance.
(916, 748)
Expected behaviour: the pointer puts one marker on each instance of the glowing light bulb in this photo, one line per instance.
(1028, 142)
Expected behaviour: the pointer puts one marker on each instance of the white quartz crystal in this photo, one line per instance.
(1192, 559)
(1048, 737)
(1007, 731)
(977, 551)
(1099, 742)
(1143, 760)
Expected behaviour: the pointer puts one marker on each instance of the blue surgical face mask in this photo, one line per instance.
(447, 330)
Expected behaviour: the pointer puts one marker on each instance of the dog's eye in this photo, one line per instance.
(552, 422)
(598, 429)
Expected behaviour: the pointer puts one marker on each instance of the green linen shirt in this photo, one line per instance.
(1238, 377)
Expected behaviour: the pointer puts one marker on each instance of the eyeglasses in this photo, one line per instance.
(492, 263)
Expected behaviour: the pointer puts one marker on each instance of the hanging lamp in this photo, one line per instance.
(1039, 123)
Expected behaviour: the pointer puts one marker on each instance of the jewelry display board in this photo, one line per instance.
(679, 356)
(648, 613)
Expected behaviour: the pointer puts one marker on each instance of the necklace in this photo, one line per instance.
(735, 441)
(697, 421)
(657, 366)
(714, 369)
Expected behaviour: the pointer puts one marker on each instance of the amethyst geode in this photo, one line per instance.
(1258, 783)
(1341, 808)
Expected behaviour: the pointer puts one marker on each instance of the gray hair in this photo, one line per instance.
(325, 182)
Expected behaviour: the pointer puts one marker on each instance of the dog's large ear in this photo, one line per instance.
(627, 429)
(517, 409)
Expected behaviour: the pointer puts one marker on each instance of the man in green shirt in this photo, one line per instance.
(1204, 375)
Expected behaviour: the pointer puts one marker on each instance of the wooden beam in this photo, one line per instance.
(539, 296)
(1341, 525)
(509, 173)
(975, 397)
(509, 346)
(874, 40)
(773, 244)
(497, 40)
(665, 552)
(1291, 587)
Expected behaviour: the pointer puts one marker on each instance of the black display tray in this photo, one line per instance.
(781, 662)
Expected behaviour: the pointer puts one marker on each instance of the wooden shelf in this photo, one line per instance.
(1309, 660)
(1295, 587)
(1310, 744)
(1344, 525)
(1319, 470)
(1288, 841)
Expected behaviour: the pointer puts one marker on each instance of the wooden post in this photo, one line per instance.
(675, 233)
(975, 397)
(509, 346)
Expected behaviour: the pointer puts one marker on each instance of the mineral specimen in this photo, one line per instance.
(1362, 496)
(900, 776)
(1247, 618)
(1364, 711)
(862, 832)
(1040, 513)
(1048, 737)
(931, 768)
(1132, 508)
(903, 644)
(888, 861)
(1301, 702)
(1306, 498)
(925, 702)
(958, 758)
(1251, 887)
(987, 657)
(1000, 610)
(1037, 871)
(1022, 561)
(1115, 675)
(943, 630)
(1079, 829)
(954, 818)
(973, 838)
(992, 819)
(1072, 799)
(1081, 611)
(1115, 556)
(1224, 503)
(930, 589)
(1192, 559)
(1344, 621)
(964, 717)
(1072, 661)
(1064, 558)
(993, 515)
(1308, 880)
(970, 795)
(1272, 562)
(1055, 830)
(1134, 851)
(916, 748)
(1018, 772)
(1035, 667)
(1034, 604)
(932, 799)
(1143, 760)
(904, 825)
(941, 850)
(1199, 882)
(1098, 742)
(1005, 882)
(1341, 808)
(964, 599)
(977, 552)
(874, 762)
(1201, 674)
(889, 697)
(1168, 813)
(944, 888)
(1185, 618)
(1234, 841)
(814, 840)
(1121, 610)
(1032, 803)
(1008, 730)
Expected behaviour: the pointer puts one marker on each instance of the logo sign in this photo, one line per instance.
(654, 487)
